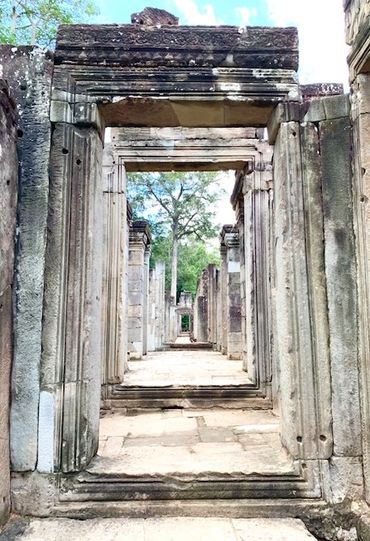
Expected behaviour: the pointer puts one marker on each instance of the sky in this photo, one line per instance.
(320, 26)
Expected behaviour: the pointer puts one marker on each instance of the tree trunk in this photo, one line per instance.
(174, 267)
(14, 19)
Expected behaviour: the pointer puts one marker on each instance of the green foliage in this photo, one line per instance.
(178, 206)
(35, 22)
(193, 258)
(182, 203)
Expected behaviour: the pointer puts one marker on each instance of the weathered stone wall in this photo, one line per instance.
(315, 323)
(28, 72)
(8, 202)
(358, 37)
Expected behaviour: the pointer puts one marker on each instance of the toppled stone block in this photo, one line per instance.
(154, 16)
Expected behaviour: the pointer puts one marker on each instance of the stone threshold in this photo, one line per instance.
(105, 487)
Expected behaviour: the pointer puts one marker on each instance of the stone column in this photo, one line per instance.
(252, 201)
(138, 275)
(114, 308)
(212, 304)
(223, 293)
(8, 211)
(201, 309)
(146, 300)
(233, 303)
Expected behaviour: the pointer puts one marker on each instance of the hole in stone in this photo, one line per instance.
(20, 133)
(65, 150)
(363, 170)
(362, 199)
(299, 439)
(7, 182)
(322, 437)
(304, 465)
(78, 161)
(23, 86)
(1, 306)
(294, 133)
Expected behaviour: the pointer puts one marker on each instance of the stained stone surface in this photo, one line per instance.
(191, 442)
(167, 529)
(165, 368)
(8, 201)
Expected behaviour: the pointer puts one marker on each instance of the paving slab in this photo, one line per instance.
(232, 442)
(166, 529)
(199, 367)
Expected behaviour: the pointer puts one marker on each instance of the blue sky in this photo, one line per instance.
(320, 25)
(222, 11)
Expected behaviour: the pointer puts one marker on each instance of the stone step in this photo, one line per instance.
(164, 529)
(185, 396)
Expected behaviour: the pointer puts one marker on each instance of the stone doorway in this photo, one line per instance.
(211, 79)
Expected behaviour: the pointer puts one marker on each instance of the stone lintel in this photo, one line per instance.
(226, 229)
(321, 90)
(120, 45)
(316, 110)
(231, 239)
(208, 76)
(185, 149)
(140, 234)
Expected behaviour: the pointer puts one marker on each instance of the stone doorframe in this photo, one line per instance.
(117, 76)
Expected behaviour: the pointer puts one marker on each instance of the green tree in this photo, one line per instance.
(178, 205)
(35, 22)
(193, 258)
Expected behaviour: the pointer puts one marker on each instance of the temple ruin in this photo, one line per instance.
(283, 322)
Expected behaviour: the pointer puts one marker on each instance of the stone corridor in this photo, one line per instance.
(185, 367)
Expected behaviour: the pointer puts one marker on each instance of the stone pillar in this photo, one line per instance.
(253, 203)
(201, 309)
(358, 37)
(315, 280)
(233, 303)
(8, 203)
(72, 313)
(114, 308)
(223, 293)
(138, 288)
(212, 304)
(146, 300)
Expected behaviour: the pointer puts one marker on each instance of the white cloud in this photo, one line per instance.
(193, 14)
(243, 16)
(320, 25)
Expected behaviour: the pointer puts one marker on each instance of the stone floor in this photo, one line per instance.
(166, 529)
(203, 367)
(194, 442)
